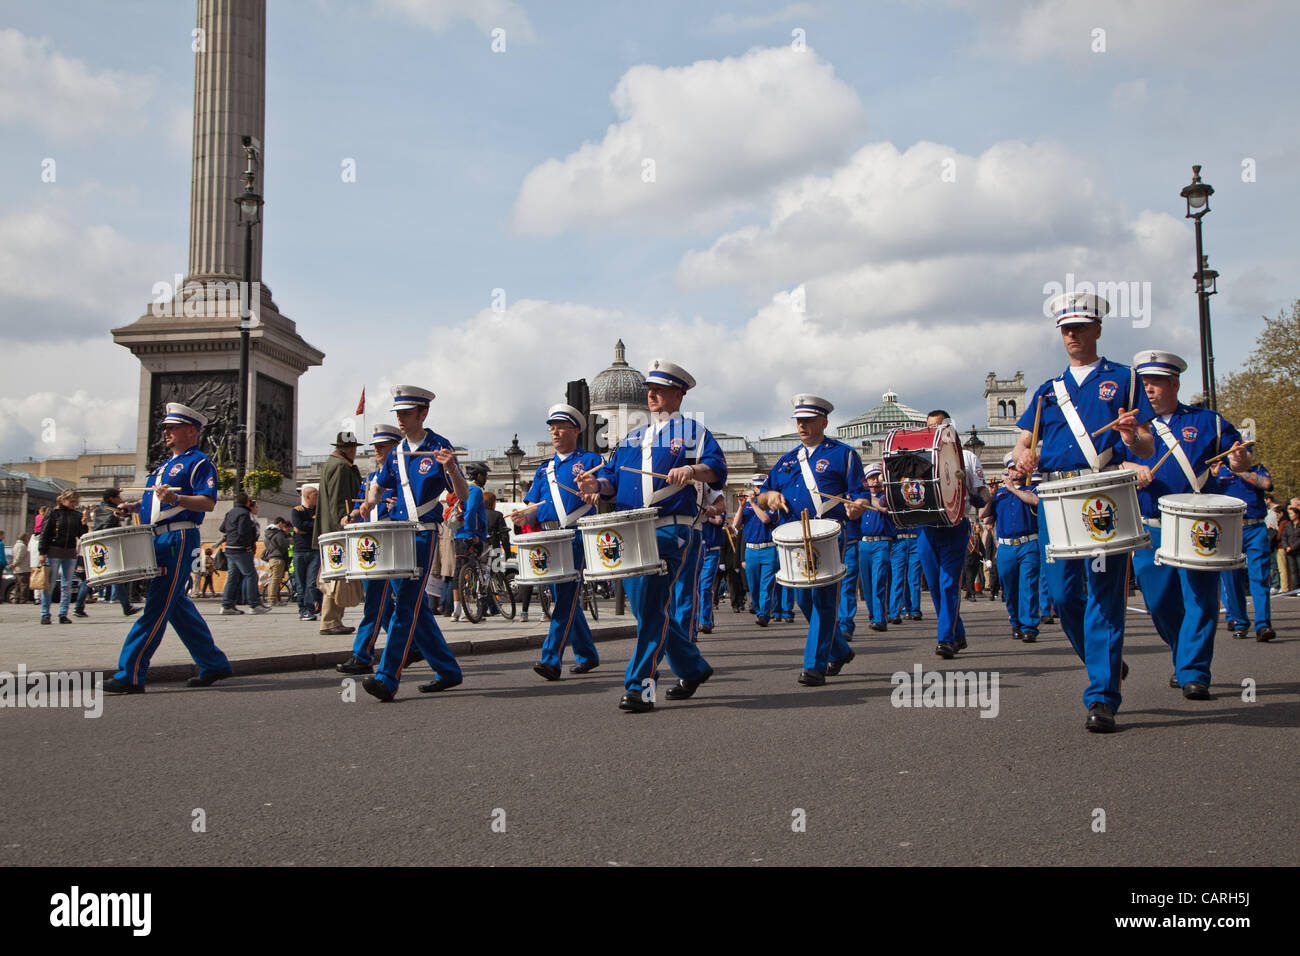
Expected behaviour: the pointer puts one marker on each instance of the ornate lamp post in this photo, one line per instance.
(514, 455)
(250, 215)
(1198, 195)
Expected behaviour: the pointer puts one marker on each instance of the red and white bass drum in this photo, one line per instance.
(925, 478)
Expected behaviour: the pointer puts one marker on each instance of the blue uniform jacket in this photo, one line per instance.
(677, 442)
(567, 470)
(1015, 519)
(756, 532)
(427, 478)
(875, 524)
(475, 525)
(1201, 434)
(836, 469)
(190, 473)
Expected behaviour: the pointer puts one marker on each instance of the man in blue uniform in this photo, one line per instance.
(183, 490)
(556, 505)
(378, 606)
(1014, 509)
(904, 578)
(419, 470)
(1091, 394)
(1184, 602)
(801, 481)
(756, 526)
(1248, 483)
(710, 551)
(876, 534)
(472, 535)
(847, 612)
(684, 451)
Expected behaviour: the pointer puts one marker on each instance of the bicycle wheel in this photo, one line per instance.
(471, 592)
(544, 601)
(504, 595)
(591, 599)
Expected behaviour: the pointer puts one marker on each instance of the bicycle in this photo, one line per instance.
(483, 579)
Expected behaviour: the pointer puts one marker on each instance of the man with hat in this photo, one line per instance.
(1014, 510)
(1240, 478)
(1092, 394)
(418, 471)
(812, 478)
(378, 607)
(681, 451)
(339, 483)
(1183, 602)
(756, 525)
(557, 505)
(876, 537)
(181, 491)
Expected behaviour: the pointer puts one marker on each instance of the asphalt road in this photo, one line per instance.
(286, 772)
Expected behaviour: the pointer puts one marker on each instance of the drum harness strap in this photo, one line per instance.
(1171, 441)
(820, 504)
(648, 495)
(413, 513)
(157, 510)
(1081, 435)
(566, 519)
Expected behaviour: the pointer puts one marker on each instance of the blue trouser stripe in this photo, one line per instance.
(376, 612)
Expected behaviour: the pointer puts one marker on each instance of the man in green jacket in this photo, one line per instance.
(340, 483)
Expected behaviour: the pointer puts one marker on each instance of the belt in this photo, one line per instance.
(1151, 522)
(1079, 473)
(173, 526)
(550, 526)
(1012, 542)
(875, 537)
(430, 525)
(907, 537)
(759, 547)
(1248, 522)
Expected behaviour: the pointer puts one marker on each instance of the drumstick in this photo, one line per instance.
(1162, 459)
(652, 474)
(807, 542)
(1107, 426)
(142, 490)
(1222, 455)
(1038, 420)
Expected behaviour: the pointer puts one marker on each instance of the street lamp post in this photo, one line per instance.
(1197, 194)
(514, 455)
(250, 214)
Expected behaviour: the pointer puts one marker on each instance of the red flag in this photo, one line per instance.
(361, 405)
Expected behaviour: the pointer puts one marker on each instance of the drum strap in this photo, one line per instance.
(1171, 441)
(157, 510)
(1081, 435)
(374, 513)
(413, 512)
(566, 518)
(820, 504)
(649, 496)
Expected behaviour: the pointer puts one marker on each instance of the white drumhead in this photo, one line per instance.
(818, 528)
(1193, 505)
(1088, 484)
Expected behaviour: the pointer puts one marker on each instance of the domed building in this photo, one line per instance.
(618, 401)
(867, 431)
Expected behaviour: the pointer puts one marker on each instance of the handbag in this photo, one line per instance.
(348, 593)
(40, 578)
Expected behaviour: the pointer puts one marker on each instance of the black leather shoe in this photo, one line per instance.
(762, 621)
(1238, 633)
(115, 686)
(706, 628)
(128, 611)
(1173, 680)
(584, 668)
(201, 681)
(375, 689)
(877, 626)
(46, 620)
(895, 620)
(634, 703)
(1123, 670)
(547, 671)
(354, 666)
(1101, 719)
(917, 616)
(1029, 637)
(1047, 620)
(686, 688)
(438, 685)
(1195, 690)
(1265, 634)
(961, 643)
(1017, 635)
(946, 650)
(834, 667)
(811, 679)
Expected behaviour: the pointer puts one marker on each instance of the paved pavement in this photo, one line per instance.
(288, 769)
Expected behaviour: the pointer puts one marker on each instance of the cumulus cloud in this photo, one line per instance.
(720, 134)
(438, 15)
(63, 96)
(51, 424)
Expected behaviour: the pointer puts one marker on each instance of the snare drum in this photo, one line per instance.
(621, 544)
(117, 555)
(792, 554)
(545, 557)
(1202, 532)
(1091, 514)
(333, 556)
(380, 550)
(925, 481)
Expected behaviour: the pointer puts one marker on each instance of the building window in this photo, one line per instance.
(1002, 409)
(1012, 406)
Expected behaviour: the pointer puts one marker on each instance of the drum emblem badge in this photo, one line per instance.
(1099, 518)
(1189, 433)
(334, 555)
(1107, 390)
(1205, 537)
(367, 552)
(98, 558)
(822, 464)
(610, 544)
(539, 559)
(802, 567)
(913, 492)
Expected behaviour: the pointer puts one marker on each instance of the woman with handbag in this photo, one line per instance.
(60, 531)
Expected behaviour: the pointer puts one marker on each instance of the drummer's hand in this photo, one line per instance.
(1127, 425)
(776, 502)
(592, 499)
(1144, 475)
(855, 509)
(444, 456)
(1237, 457)
(364, 510)
(588, 485)
(167, 495)
(681, 476)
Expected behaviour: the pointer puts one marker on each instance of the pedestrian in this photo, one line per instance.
(60, 531)
(1284, 575)
(275, 552)
(340, 483)
(22, 564)
(241, 539)
(1014, 513)
(40, 519)
(471, 538)
(1291, 544)
(306, 559)
(109, 514)
(209, 567)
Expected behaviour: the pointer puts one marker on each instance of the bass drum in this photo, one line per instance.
(925, 478)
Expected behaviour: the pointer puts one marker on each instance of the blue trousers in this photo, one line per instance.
(1184, 606)
(568, 623)
(306, 564)
(783, 603)
(820, 609)
(658, 629)
(1093, 623)
(760, 575)
(375, 612)
(708, 572)
(64, 567)
(943, 557)
(412, 621)
(874, 568)
(848, 610)
(1046, 608)
(1019, 571)
(904, 577)
(166, 602)
(241, 580)
(1257, 571)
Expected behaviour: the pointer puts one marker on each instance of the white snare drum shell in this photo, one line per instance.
(1092, 514)
(621, 544)
(1201, 532)
(118, 555)
(793, 569)
(545, 557)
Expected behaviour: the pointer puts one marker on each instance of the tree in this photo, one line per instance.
(1267, 389)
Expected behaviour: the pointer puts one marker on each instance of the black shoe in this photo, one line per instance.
(687, 688)
(46, 620)
(1017, 635)
(876, 626)
(438, 685)
(946, 649)
(706, 628)
(1123, 669)
(1239, 633)
(1047, 620)
(80, 613)
(1265, 634)
(207, 681)
(547, 671)
(584, 668)
(1195, 690)
(916, 616)
(762, 621)
(961, 643)
(115, 686)
(354, 666)
(834, 667)
(633, 701)
(1173, 680)
(1029, 637)
(128, 611)
(375, 689)
(1101, 719)
(812, 679)
(895, 620)
(64, 619)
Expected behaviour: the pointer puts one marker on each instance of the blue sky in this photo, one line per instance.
(782, 176)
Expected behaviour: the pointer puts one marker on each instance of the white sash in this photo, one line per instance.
(1081, 435)
(1180, 456)
(374, 512)
(157, 510)
(820, 504)
(648, 495)
(565, 518)
(413, 513)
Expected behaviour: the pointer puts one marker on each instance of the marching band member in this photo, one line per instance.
(1248, 482)
(760, 553)
(847, 611)
(1184, 602)
(418, 470)
(904, 578)
(799, 482)
(182, 490)
(684, 451)
(877, 533)
(1089, 395)
(710, 552)
(555, 506)
(378, 607)
(1014, 509)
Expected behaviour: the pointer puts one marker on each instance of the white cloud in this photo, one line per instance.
(720, 134)
(72, 423)
(65, 97)
(438, 15)
(728, 23)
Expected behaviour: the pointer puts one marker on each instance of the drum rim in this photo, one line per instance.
(812, 535)
(121, 531)
(629, 516)
(540, 536)
(1187, 511)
